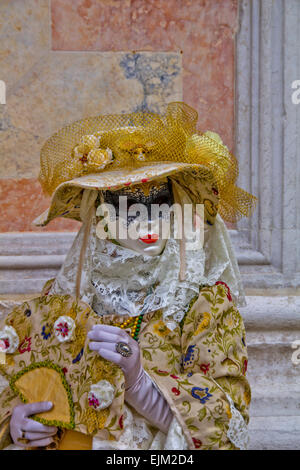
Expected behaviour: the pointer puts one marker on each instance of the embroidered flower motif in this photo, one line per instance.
(121, 422)
(93, 401)
(190, 374)
(245, 366)
(46, 331)
(25, 346)
(176, 391)
(228, 412)
(228, 294)
(197, 443)
(9, 340)
(189, 357)
(247, 396)
(78, 357)
(65, 370)
(101, 395)
(174, 376)
(64, 328)
(204, 368)
(231, 320)
(201, 394)
(204, 324)
(161, 329)
(4, 344)
(160, 372)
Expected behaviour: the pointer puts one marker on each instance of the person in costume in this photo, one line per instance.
(143, 333)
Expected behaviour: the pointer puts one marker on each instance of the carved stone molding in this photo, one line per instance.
(29, 259)
(267, 141)
(272, 325)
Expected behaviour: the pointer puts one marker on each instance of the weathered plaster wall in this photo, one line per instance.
(66, 59)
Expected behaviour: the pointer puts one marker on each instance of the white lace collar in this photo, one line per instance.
(118, 280)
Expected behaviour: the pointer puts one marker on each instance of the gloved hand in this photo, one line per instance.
(104, 339)
(140, 392)
(22, 427)
(148, 401)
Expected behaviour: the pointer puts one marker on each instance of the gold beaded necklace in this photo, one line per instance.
(134, 323)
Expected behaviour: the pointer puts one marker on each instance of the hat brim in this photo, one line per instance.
(67, 196)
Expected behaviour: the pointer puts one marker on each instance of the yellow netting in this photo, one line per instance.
(118, 141)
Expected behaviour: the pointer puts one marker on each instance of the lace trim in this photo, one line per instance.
(175, 438)
(118, 280)
(136, 436)
(238, 430)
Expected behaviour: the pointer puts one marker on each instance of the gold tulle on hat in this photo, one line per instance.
(111, 151)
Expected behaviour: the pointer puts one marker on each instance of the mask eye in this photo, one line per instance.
(163, 200)
(130, 202)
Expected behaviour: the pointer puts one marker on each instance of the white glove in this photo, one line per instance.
(140, 392)
(22, 427)
(104, 339)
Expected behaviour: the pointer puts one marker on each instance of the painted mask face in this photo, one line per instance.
(141, 215)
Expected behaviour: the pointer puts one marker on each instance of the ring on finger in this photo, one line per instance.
(23, 439)
(124, 349)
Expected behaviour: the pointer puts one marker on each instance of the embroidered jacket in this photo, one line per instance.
(199, 367)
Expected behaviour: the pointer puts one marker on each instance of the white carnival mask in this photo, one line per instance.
(137, 218)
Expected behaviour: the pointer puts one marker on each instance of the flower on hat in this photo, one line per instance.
(136, 144)
(9, 340)
(88, 156)
(101, 395)
(99, 158)
(214, 136)
(64, 328)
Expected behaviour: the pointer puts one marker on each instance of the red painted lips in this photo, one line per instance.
(150, 238)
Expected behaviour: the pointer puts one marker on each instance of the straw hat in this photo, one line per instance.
(110, 152)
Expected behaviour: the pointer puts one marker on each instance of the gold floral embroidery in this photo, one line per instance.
(77, 363)
(192, 367)
(103, 369)
(95, 419)
(161, 329)
(102, 418)
(204, 323)
(78, 342)
(247, 396)
(228, 412)
(90, 417)
(210, 207)
(19, 319)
